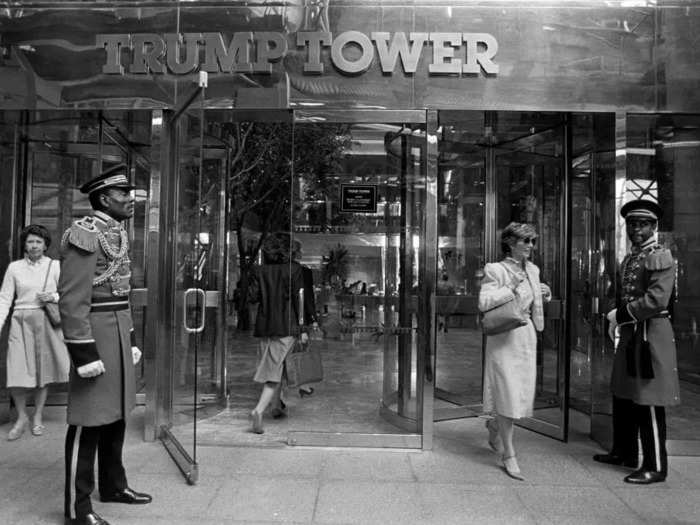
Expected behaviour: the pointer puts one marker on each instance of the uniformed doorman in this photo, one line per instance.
(644, 376)
(94, 302)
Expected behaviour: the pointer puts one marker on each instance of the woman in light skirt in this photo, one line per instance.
(510, 357)
(36, 354)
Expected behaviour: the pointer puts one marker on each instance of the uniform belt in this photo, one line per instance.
(102, 305)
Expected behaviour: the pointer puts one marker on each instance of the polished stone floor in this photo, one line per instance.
(356, 371)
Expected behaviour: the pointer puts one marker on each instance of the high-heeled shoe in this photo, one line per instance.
(494, 439)
(256, 421)
(304, 392)
(17, 430)
(510, 464)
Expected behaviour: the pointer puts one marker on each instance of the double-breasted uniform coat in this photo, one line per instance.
(646, 373)
(94, 302)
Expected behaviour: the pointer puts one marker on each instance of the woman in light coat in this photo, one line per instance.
(36, 354)
(510, 358)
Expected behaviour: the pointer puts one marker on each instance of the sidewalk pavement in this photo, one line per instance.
(459, 482)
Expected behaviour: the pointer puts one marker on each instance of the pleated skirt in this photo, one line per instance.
(36, 354)
(271, 354)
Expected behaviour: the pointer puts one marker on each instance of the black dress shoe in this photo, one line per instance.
(614, 459)
(303, 392)
(645, 477)
(90, 519)
(127, 496)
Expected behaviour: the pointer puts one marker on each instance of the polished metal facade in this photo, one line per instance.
(560, 56)
(409, 59)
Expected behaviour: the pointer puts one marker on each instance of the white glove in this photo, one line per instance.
(135, 354)
(91, 369)
(612, 327)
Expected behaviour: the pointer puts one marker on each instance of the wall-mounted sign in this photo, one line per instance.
(358, 198)
(453, 53)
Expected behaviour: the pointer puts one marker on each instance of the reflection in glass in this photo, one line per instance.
(58, 152)
(463, 150)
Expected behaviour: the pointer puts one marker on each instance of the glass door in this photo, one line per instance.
(347, 189)
(358, 211)
(592, 270)
(194, 342)
(530, 160)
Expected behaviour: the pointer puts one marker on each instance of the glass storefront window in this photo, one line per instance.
(663, 152)
(56, 152)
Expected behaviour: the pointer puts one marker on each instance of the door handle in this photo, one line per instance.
(202, 298)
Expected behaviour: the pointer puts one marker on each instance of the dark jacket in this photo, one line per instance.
(90, 276)
(275, 287)
(646, 371)
(309, 299)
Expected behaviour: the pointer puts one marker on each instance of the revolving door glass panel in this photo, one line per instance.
(462, 149)
(530, 184)
(494, 168)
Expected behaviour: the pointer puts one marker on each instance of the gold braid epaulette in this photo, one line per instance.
(82, 234)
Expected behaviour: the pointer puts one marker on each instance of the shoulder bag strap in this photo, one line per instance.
(46, 279)
(508, 271)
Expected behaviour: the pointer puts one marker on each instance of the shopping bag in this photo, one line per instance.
(303, 364)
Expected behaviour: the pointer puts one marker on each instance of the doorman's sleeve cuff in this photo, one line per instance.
(82, 352)
(623, 315)
(132, 335)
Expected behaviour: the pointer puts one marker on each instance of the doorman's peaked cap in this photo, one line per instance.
(114, 177)
(643, 209)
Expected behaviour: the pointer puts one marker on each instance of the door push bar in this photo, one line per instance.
(200, 328)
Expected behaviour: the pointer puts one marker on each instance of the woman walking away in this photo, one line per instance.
(275, 287)
(36, 354)
(510, 359)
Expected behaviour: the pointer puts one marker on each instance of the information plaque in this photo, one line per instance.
(358, 198)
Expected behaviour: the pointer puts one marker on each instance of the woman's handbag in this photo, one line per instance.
(51, 309)
(303, 364)
(504, 317)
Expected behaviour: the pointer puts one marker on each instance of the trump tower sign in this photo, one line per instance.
(351, 52)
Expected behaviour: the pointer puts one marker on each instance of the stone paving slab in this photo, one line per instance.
(458, 482)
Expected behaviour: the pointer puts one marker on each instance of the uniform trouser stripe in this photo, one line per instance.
(652, 430)
(71, 462)
(82, 445)
(655, 436)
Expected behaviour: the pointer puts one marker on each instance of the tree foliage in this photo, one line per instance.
(265, 158)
